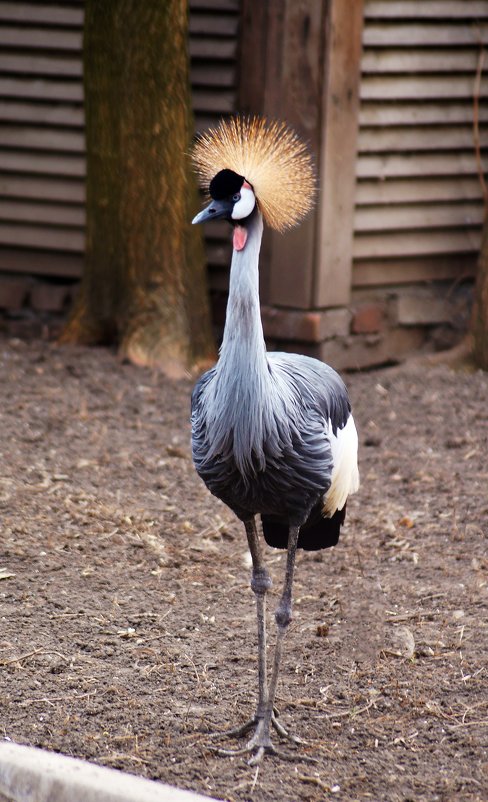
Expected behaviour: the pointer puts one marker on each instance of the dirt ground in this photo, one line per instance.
(128, 626)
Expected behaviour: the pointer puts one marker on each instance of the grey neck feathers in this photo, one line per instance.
(238, 412)
(243, 339)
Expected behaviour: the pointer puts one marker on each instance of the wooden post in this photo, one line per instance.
(281, 77)
(340, 110)
(300, 62)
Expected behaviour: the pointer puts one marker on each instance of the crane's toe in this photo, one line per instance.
(283, 733)
(237, 732)
(260, 744)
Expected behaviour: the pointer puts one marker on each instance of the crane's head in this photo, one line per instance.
(233, 199)
(247, 163)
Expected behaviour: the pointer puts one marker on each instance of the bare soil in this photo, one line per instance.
(128, 625)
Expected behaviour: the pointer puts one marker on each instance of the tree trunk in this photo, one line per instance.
(144, 281)
(479, 320)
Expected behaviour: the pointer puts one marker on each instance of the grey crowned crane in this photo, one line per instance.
(272, 433)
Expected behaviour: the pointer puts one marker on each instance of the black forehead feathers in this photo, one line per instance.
(225, 183)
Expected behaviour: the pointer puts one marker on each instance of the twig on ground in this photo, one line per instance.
(34, 653)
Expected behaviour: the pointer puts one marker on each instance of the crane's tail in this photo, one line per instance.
(316, 533)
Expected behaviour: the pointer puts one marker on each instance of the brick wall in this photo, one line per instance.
(33, 307)
(380, 326)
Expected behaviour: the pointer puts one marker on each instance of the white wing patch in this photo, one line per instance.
(345, 474)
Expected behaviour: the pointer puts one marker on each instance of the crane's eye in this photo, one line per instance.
(236, 197)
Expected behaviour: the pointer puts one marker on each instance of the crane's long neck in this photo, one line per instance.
(243, 347)
(239, 414)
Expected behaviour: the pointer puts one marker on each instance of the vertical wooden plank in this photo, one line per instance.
(251, 69)
(293, 255)
(251, 60)
(338, 154)
(281, 77)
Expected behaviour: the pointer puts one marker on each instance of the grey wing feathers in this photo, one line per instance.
(319, 385)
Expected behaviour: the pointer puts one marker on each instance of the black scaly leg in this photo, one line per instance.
(262, 739)
(260, 743)
(260, 584)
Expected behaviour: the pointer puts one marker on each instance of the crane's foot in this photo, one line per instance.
(260, 744)
(252, 723)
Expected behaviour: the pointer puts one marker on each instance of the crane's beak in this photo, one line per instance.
(215, 210)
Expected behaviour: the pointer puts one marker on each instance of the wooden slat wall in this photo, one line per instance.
(42, 163)
(42, 157)
(214, 32)
(418, 199)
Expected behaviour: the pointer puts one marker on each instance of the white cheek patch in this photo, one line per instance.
(245, 205)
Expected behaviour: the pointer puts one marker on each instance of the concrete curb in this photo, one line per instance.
(34, 775)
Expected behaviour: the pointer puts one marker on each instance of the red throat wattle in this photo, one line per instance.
(239, 238)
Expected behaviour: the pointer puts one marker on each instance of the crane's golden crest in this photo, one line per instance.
(270, 156)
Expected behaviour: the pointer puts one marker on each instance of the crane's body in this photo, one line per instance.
(268, 427)
(272, 433)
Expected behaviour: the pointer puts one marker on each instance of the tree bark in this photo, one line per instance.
(479, 320)
(144, 280)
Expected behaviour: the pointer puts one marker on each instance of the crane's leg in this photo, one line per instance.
(260, 743)
(260, 584)
(262, 740)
